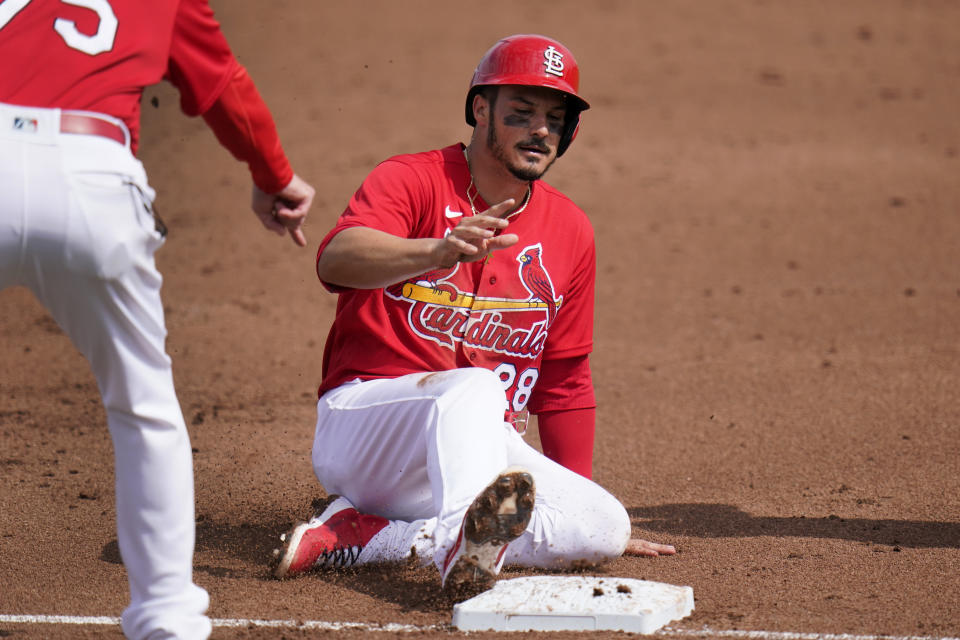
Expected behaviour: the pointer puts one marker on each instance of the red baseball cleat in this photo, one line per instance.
(498, 515)
(334, 537)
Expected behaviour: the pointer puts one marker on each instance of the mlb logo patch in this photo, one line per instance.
(27, 125)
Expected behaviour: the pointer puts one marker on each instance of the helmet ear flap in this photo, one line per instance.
(570, 129)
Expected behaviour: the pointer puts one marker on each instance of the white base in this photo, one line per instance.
(561, 603)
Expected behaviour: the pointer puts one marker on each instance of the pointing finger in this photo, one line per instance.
(501, 208)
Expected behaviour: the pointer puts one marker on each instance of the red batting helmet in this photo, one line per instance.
(532, 60)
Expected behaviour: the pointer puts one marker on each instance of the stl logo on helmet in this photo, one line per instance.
(553, 61)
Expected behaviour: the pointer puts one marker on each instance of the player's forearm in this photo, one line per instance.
(364, 258)
(242, 123)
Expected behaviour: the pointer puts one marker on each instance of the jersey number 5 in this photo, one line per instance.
(99, 42)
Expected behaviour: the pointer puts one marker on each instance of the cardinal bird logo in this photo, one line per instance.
(535, 278)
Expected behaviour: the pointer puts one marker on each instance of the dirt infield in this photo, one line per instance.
(774, 188)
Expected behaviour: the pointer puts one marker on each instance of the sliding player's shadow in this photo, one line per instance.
(727, 521)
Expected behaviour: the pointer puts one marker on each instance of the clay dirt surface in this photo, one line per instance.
(774, 188)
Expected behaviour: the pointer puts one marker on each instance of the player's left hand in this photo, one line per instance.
(639, 547)
(285, 211)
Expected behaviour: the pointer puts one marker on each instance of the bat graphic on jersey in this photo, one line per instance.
(442, 296)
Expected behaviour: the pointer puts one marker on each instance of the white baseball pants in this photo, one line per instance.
(76, 228)
(421, 447)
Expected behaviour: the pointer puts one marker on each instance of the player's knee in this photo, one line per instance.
(476, 388)
(483, 382)
(620, 529)
(605, 529)
(613, 529)
(590, 533)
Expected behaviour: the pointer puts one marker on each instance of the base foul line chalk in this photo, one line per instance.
(741, 634)
(737, 634)
(229, 622)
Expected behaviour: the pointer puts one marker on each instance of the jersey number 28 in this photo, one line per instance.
(525, 383)
(99, 42)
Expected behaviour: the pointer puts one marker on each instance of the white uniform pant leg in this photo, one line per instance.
(574, 521)
(83, 243)
(417, 447)
(154, 467)
(393, 446)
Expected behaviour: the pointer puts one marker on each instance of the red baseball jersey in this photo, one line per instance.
(523, 305)
(98, 55)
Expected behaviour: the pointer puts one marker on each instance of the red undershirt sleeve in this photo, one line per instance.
(567, 438)
(565, 405)
(242, 123)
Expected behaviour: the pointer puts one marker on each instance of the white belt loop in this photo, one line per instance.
(28, 123)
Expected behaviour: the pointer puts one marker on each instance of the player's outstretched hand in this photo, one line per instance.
(475, 237)
(639, 547)
(285, 211)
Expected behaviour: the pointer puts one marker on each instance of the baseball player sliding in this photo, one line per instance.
(466, 288)
(78, 229)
